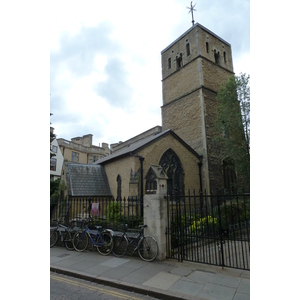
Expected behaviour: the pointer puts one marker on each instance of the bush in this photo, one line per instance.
(233, 211)
(206, 226)
(113, 212)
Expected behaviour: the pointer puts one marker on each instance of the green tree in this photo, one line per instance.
(232, 124)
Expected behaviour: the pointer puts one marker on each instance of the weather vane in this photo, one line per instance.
(191, 9)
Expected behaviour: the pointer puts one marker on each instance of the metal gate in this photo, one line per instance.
(209, 229)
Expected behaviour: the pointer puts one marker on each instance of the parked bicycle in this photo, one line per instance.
(127, 243)
(101, 239)
(65, 233)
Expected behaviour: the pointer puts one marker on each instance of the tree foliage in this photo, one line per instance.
(232, 124)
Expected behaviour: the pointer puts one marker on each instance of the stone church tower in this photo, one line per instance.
(193, 68)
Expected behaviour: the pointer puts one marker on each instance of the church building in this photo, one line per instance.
(193, 68)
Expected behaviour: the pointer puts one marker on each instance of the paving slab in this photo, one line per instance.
(244, 286)
(181, 271)
(201, 277)
(225, 280)
(162, 280)
(114, 262)
(168, 279)
(241, 296)
(217, 292)
(187, 288)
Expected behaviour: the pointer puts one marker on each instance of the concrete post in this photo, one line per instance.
(155, 216)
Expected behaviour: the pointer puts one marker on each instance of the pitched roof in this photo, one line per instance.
(130, 149)
(87, 180)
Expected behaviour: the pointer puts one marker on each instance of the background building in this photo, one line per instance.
(56, 161)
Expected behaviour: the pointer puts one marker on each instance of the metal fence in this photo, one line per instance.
(212, 229)
(105, 211)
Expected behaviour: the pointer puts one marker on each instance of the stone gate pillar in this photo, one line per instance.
(155, 208)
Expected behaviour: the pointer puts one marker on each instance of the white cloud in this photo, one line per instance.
(105, 60)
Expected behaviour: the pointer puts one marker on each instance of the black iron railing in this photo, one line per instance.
(212, 229)
(105, 211)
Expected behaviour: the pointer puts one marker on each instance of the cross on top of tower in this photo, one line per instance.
(191, 9)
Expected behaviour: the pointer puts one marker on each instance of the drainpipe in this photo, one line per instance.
(141, 158)
(200, 173)
(142, 186)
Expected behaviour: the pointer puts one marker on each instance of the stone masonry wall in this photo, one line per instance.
(189, 94)
(153, 154)
(184, 118)
(213, 149)
(181, 82)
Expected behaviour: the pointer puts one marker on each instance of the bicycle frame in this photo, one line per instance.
(94, 236)
(62, 232)
(134, 241)
(62, 228)
(146, 246)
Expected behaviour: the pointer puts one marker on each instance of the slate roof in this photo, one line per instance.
(86, 180)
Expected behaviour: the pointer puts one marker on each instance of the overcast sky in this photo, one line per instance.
(105, 60)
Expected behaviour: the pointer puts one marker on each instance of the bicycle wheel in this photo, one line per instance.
(53, 237)
(147, 248)
(106, 243)
(68, 240)
(80, 241)
(120, 245)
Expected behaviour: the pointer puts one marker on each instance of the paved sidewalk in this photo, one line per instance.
(168, 279)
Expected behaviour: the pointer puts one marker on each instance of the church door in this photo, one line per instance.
(171, 164)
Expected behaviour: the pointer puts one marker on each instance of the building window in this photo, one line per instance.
(169, 63)
(224, 54)
(75, 156)
(171, 164)
(151, 184)
(53, 164)
(93, 158)
(188, 52)
(229, 176)
(54, 148)
(217, 55)
(207, 47)
(119, 188)
(179, 61)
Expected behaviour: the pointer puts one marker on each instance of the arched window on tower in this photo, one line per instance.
(119, 188)
(188, 51)
(179, 61)
(229, 175)
(217, 55)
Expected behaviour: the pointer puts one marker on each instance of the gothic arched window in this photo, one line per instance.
(229, 175)
(171, 164)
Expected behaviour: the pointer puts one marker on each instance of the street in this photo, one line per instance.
(63, 287)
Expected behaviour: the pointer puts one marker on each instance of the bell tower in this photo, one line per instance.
(193, 68)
